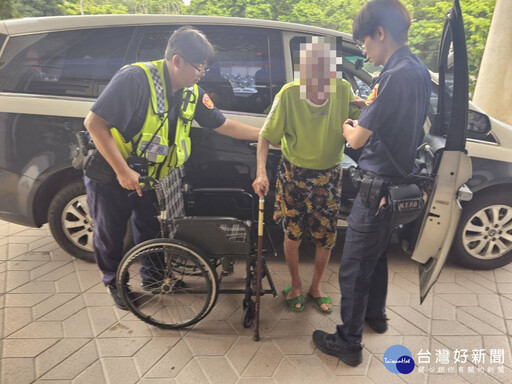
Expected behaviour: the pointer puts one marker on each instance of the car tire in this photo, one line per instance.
(70, 222)
(484, 237)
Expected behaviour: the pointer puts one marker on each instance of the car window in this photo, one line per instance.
(359, 86)
(248, 69)
(361, 63)
(69, 63)
(153, 44)
(476, 121)
(363, 89)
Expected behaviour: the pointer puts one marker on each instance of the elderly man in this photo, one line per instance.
(306, 118)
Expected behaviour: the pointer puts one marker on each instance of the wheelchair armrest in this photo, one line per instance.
(218, 190)
(210, 219)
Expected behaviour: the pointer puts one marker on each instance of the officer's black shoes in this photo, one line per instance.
(379, 325)
(326, 343)
(116, 296)
(118, 299)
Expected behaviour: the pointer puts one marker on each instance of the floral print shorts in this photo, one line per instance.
(307, 201)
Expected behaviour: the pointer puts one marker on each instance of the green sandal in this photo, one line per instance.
(291, 303)
(318, 301)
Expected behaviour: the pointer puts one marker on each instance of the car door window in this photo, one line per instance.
(69, 63)
(478, 123)
(248, 69)
(153, 43)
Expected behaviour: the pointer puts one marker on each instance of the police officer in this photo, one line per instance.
(394, 113)
(146, 112)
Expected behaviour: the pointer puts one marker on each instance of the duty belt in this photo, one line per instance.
(371, 186)
(357, 175)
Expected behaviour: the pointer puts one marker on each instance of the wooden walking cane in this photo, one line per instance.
(256, 336)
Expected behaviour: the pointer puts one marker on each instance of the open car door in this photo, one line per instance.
(446, 158)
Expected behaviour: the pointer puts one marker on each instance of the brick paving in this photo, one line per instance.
(58, 325)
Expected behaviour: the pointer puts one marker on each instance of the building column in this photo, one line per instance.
(493, 91)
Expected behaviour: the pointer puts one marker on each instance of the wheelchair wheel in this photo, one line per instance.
(182, 267)
(157, 288)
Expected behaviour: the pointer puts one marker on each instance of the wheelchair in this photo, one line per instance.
(174, 281)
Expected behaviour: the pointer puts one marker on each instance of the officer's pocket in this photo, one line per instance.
(103, 188)
(363, 219)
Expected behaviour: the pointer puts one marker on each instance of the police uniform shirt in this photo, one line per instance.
(124, 104)
(396, 109)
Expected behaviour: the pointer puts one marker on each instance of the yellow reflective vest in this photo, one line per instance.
(152, 142)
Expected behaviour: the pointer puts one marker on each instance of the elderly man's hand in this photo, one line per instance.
(348, 128)
(358, 102)
(260, 185)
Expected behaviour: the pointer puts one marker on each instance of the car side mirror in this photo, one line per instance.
(479, 124)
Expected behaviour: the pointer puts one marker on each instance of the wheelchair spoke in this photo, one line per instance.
(168, 285)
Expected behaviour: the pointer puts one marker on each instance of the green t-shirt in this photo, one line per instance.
(311, 136)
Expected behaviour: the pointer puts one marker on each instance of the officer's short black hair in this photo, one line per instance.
(389, 14)
(191, 44)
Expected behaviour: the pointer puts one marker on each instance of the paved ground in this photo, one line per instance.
(58, 325)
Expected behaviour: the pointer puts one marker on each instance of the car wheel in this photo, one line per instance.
(484, 236)
(70, 221)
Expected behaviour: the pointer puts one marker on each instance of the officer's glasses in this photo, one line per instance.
(199, 68)
(360, 45)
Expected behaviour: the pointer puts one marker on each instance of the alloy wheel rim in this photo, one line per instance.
(77, 223)
(487, 234)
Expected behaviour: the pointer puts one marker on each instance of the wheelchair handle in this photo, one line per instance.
(147, 181)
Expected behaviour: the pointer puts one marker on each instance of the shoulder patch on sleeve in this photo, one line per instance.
(208, 103)
(373, 95)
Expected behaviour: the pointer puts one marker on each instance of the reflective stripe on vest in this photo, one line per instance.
(162, 156)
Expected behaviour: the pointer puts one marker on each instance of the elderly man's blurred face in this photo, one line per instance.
(317, 68)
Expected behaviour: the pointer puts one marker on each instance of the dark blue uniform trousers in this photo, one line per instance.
(111, 207)
(363, 275)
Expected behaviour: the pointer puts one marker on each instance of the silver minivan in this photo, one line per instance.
(52, 69)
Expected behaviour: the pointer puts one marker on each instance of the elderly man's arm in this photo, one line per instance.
(260, 184)
(358, 102)
(238, 130)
